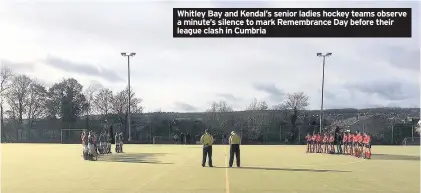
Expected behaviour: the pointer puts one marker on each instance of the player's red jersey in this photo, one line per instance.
(350, 138)
(331, 139)
(367, 139)
(325, 138)
(308, 138)
(319, 138)
(355, 137)
(345, 139)
(359, 138)
(313, 138)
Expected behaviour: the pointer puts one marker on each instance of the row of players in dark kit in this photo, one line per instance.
(356, 144)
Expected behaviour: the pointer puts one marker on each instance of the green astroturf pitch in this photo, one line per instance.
(51, 168)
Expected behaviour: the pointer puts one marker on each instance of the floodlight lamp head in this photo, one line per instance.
(319, 54)
(123, 54)
(328, 54)
(132, 54)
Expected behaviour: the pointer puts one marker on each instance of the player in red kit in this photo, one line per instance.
(355, 144)
(367, 146)
(331, 141)
(325, 143)
(313, 143)
(350, 143)
(319, 143)
(308, 140)
(360, 144)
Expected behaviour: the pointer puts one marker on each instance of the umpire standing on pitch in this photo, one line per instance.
(234, 141)
(207, 140)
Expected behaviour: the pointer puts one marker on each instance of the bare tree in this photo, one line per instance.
(216, 116)
(36, 104)
(298, 101)
(255, 119)
(6, 75)
(257, 105)
(18, 95)
(223, 107)
(293, 104)
(102, 102)
(90, 93)
(88, 106)
(119, 106)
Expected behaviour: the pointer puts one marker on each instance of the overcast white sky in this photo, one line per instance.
(54, 40)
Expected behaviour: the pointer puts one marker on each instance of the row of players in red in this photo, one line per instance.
(358, 144)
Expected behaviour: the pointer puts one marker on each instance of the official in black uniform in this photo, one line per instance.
(207, 140)
(234, 141)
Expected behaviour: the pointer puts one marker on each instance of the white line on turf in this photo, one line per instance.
(227, 181)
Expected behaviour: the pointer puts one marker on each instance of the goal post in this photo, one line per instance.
(411, 141)
(156, 139)
(161, 140)
(71, 135)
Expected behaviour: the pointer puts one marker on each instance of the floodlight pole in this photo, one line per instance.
(129, 94)
(323, 86)
(129, 110)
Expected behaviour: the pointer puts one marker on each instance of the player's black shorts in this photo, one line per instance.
(367, 145)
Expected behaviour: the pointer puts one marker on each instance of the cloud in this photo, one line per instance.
(184, 107)
(392, 90)
(275, 94)
(400, 57)
(81, 68)
(17, 66)
(228, 96)
(96, 84)
(328, 95)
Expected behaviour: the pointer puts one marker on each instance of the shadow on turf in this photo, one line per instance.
(148, 158)
(395, 157)
(286, 169)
